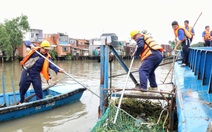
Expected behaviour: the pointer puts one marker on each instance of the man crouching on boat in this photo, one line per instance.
(33, 64)
(151, 57)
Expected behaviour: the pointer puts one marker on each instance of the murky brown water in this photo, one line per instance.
(78, 117)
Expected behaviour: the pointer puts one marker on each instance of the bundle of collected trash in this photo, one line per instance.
(135, 115)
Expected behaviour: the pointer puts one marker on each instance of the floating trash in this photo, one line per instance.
(135, 115)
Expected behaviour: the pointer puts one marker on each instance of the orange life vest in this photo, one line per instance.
(149, 45)
(207, 35)
(190, 30)
(185, 31)
(45, 67)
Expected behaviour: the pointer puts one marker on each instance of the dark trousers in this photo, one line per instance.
(191, 40)
(25, 82)
(207, 43)
(147, 69)
(185, 47)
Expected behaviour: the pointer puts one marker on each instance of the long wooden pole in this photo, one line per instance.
(141, 90)
(13, 87)
(3, 89)
(197, 20)
(196, 23)
(121, 74)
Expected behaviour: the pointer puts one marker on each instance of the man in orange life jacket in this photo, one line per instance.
(150, 53)
(184, 39)
(206, 36)
(31, 74)
(189, 29)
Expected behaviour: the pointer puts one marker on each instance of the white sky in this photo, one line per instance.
(90, 18)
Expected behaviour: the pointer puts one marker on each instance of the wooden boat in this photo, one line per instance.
(54, 96)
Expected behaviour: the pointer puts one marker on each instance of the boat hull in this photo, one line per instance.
(193, 91)
(26, 109)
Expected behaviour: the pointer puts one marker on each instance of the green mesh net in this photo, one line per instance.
(124, 123)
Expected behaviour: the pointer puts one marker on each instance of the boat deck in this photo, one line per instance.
(163, 92)
(193, 101)
(12, 98)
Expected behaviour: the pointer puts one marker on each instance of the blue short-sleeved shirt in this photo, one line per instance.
(203, 34)
(181, 34)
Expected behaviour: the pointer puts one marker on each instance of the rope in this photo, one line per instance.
(161, 116)
(165, 119)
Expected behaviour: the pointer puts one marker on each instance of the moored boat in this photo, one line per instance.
(54, 96)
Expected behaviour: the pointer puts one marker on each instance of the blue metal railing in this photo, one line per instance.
(200, 61)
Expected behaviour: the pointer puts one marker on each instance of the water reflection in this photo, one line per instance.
(48, 120)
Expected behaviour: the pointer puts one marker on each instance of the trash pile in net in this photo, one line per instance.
(135, 115)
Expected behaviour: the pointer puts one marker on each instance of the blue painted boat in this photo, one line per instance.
(194, 91)
(55, 96)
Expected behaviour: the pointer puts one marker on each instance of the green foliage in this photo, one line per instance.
(11, 34)
(199, 44)
(5, 41)
(173, 43)
(68, 57)
(53, 53)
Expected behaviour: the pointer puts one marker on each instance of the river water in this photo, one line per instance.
(77, 117)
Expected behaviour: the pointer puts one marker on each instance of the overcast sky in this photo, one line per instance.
(90, 18)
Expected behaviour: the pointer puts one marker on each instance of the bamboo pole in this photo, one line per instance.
(13, 88)
(138, 70)
(141, 90)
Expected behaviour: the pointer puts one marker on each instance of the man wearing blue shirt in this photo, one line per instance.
(189, 29)
(184, 39)
(206, 36)
(33, 64)
(151, 56)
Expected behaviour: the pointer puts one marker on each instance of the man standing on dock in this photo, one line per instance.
(189, 29)
(184, 39)
(150, 53)
(206, 36)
